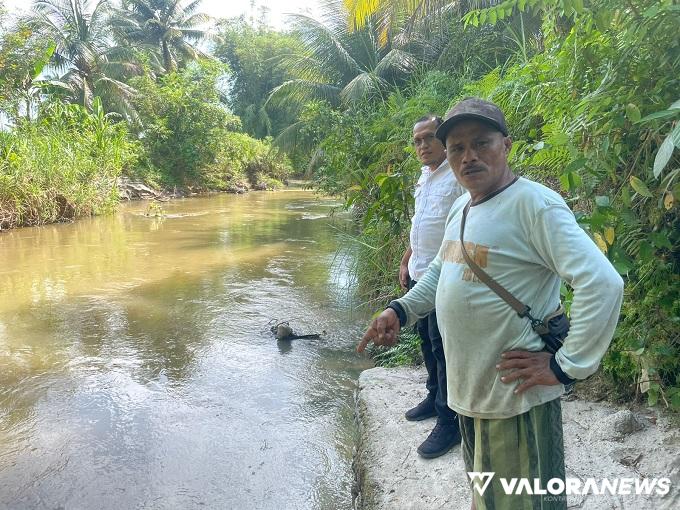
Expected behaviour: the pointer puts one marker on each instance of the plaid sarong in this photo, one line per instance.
(529, 445)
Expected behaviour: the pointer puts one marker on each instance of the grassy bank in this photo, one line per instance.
(62, 166)
(65, 163)
(406, 353)
(66, 166)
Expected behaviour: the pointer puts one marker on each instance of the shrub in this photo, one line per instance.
(190, 137)
(595, 114)
(62, 166)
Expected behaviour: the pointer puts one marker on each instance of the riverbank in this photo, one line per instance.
(125, 189)
(601, 441)
(68, 163)
(130, 189)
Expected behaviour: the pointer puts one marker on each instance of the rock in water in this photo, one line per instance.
(283, 331)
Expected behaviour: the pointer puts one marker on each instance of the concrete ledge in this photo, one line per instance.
(601, 441)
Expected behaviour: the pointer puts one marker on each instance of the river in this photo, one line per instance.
(137, 369)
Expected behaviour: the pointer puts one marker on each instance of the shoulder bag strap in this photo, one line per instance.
(521, 309)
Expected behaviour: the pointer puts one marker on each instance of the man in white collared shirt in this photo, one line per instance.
(435, 193)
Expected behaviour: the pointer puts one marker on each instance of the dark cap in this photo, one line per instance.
(472, 108)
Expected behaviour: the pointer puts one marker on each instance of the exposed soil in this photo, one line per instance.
(602, 440)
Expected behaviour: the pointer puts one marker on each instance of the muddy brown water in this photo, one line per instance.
(137, 369)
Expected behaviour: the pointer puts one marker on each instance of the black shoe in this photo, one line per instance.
(443, 437)
(422, 411)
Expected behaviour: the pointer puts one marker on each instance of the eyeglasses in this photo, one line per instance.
(427, 139)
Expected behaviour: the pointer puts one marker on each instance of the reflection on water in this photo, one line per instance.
(138, 370)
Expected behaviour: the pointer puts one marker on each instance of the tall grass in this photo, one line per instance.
(406, 353)
(60, 167)
(376, 264)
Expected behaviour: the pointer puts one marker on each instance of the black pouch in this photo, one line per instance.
(553, 329)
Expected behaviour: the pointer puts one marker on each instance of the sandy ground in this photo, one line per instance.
(601, 441)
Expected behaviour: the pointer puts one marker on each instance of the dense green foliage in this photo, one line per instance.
(182, 122)
(72, 61)
(189, 134)
(592, 101)
(22, 58)
(253, 56)
(61, 166)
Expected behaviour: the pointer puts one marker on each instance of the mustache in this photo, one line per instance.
(471, 169)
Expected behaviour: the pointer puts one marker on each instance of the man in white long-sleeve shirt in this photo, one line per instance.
(436, 190)
(503, 385)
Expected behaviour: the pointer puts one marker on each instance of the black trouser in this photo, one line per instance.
(435, 363)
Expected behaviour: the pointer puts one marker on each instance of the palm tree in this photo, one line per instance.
(91, 65)
(396, 13)
(167, 27)
(430, 18)
(437, 23)
(340, 65)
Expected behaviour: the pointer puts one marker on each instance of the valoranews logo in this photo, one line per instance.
(574, 486)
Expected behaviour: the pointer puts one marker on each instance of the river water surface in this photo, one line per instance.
(137, 369)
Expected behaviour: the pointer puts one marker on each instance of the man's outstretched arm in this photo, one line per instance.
(418, 302)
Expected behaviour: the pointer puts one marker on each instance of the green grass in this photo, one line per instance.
(60, 168)
(405, 353)
(65, 165)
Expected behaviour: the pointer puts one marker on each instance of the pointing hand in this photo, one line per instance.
(382, 331)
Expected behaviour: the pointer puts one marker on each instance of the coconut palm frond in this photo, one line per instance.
(396, 63)
(301, 91)
(193, 35)
(294, 139)
(390, 14)
(362, 86)
(192, 7)
(171, 29)
(334, 56)
(87, 60)
(196, 20)
(119, 95)
(321, 42)
(306, 67)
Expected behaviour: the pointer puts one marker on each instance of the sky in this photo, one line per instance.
(226, 8)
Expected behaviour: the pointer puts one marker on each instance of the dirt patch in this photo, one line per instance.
(602, 440)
